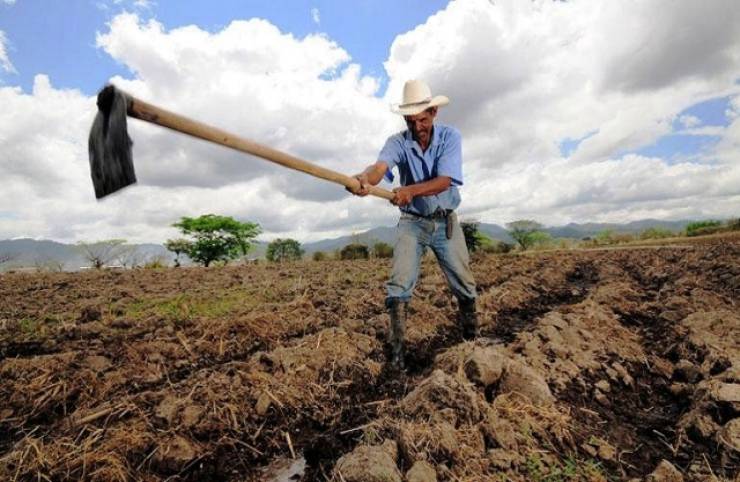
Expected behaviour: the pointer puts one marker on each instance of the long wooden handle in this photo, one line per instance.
(151, 113)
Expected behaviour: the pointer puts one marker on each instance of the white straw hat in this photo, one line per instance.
(417, 97)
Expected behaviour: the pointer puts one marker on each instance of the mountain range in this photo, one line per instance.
(29, 253)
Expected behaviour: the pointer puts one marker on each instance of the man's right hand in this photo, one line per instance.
(364, 188)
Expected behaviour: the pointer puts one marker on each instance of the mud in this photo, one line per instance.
(590, 366)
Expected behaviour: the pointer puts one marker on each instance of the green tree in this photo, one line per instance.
(354, 251)
(698, 228)
(284, 250)
(472, 235)
(527, 233)
(178, 246)
(382, 250)
(217, 238)
(319, 256)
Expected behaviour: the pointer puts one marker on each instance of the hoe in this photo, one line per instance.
(111, 161)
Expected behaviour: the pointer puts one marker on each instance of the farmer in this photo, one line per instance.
(428, 157)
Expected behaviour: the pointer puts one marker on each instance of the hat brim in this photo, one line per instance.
(436, 101)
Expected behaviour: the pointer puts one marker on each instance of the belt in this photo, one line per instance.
(439, 215)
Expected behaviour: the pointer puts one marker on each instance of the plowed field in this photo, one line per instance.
(592, 365)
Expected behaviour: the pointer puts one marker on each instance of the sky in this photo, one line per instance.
(570, 111)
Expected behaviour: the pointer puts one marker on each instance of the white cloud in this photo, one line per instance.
(522, 76)
(9, 2)
(5, 63)
(315, 16)
(689, 121)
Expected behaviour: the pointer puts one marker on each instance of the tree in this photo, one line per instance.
(382, 250)
(284, 250)
(217, 238)
(354, 251)
(527, 233)
(470, 231)
(697, 228)
(100, 253)
(5, 257)
(178, 246)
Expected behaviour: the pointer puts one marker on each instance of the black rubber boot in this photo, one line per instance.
(398, 311)
(468, 318)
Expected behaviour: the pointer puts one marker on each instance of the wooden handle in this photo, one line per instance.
(151, 113)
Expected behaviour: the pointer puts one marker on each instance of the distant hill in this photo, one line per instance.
(30, 252)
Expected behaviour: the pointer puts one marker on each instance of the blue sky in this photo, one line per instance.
(58, 37)
(560, 123)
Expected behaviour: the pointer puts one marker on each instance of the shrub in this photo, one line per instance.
(282, 250)
(354, 251)
(656, 233)
(703, 227)
(319, 256)
(382, 250)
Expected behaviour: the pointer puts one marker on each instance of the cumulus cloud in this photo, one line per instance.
(523, 77)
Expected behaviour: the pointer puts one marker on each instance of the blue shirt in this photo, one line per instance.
(443, 157)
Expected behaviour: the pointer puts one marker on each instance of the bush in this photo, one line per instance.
(354, 251)
(156, 262)
(698, 228)
(319, 256)
(497, 247)
(382, 250)
(656, 233)
(281, 250)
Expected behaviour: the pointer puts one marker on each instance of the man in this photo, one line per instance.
(428, 158)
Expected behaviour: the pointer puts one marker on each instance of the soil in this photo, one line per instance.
(591, 365)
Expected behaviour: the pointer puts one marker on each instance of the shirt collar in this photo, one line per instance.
(410, 142)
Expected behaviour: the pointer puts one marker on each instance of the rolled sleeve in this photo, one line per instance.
(450, 160)
(391, 154)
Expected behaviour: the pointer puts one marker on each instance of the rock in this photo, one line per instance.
(485, 366)
(191, 415)
(624, 375)
(526, 381)
(500, 432)
(727, 392)
(263, 404)
(665, 472)
(88, 314)
(438, 392)
(421, 471)
(700, 426)
(96, 363)
(729, 436)
(368, 463)
(173, 455)
(603, 385)
(167, 409)
(601, 398)
(503, 459)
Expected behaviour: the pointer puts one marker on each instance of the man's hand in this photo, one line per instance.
(403, 196)
(364, 188)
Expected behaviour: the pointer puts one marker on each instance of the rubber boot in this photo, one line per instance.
(398, 311)
(468, 318)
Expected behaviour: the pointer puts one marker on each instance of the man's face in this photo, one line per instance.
(421, 124)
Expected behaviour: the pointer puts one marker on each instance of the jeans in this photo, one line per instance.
(415, 234)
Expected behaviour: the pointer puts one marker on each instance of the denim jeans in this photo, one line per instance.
(415, 234)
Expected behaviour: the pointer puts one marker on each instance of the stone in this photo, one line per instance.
(263, 404)
(368, 463)
(421, 471)
(174, 454)
(485, 366)
(96, 363)
(167, 409)
(727, 392)
(665, 472)
(603, 385)
(729, 436)
(526, 381)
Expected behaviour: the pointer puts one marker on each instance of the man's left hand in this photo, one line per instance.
(402, 196)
